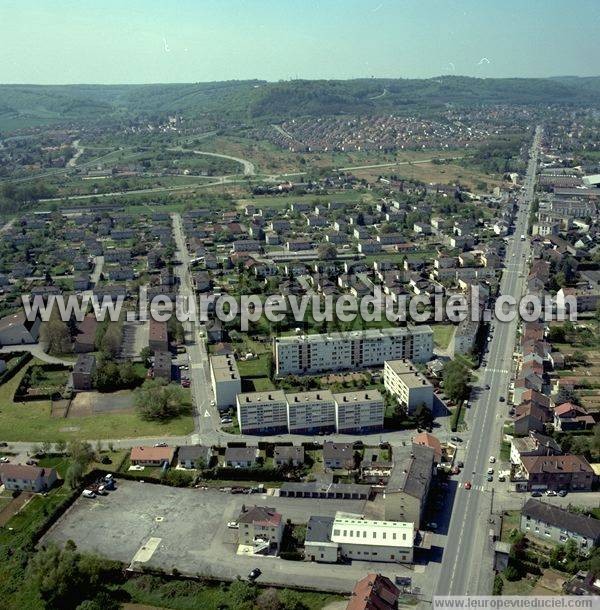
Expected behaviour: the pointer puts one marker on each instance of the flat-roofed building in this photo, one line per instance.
(366, 540)
(226, 380)
(310, 354)
(359, 412)
(83, 372)
(407, 384)
(262, 412)
(309, 412)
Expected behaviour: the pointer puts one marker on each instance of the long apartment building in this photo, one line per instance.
(407, 384)
(311, 354)
(359, 412)
(262, 412)
(310, 412)
(226, 380)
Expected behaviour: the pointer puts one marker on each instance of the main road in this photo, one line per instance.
(467, 560)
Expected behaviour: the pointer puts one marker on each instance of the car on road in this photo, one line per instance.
(501, 478)
(468, 485)
(492, 459)
(455, 470)
(233, 525)
(460, 464)
(212, 403)
(161, 444)
(502, 399)
(562, 493)
(490, 471)
(456, 439)
(490, 478)
(254, 574)
(4, 460)
(536, 494)
(3, 444)
(550, 492)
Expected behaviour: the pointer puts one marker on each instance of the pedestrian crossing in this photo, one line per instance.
(504, 371)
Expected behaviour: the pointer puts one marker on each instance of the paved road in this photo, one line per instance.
(466, 567)
(37, 351)
(249, 169)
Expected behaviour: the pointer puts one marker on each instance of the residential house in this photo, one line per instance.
(195, 456)
(549, 522)
(288, 455)
(338, 455)
(152, 456)
(241, 457)
(572, 417)
(374, 592)
(260, 525)
(21, 477)
(556, 472)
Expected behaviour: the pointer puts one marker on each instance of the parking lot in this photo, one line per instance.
(186, 529)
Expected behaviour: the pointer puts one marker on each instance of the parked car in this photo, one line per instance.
(233, 525)
(4, 459)
(536, 494)
(492, 459)
(490, 478)
(562, 493)
(550, 492)
(456, 439)
(490, 471)
(161, 444)
(460, 464)
(254, 574)
(432, 526)
(88, 493)
(502, 399)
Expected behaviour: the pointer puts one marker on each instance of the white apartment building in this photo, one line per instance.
(226, 380)
(310, 354)
(262, 412)
(407, 384)
(309, 412)
(359, 412)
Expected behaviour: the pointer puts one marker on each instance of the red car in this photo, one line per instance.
(468, 485)
(185, 383)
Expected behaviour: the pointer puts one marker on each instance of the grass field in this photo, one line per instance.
(442, 335)
(32, 421)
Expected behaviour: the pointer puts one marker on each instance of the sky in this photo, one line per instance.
(152, 41)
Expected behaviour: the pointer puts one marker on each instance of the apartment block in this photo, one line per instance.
(262, 412)
(407, 384)
(317, 353)
(309, 412)
(226, 380)
(359, 412)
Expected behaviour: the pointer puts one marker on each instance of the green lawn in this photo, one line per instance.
(152, 591)
(256, 367)
(442, 335)
(32, 421)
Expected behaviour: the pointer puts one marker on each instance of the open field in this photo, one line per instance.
(442, 335)
(448, 173)
(33, 421)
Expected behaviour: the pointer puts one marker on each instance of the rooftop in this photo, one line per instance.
(371, 333)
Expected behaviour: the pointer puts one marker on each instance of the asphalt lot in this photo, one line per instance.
(189, 529)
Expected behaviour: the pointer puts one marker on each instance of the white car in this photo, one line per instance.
(226, 420)
(490, 471)
(233, 525)
(88, 493)
(4, 460)
(212, 403)
(550, 492)
(492, 459)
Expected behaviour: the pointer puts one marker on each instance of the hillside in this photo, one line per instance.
(262, 101)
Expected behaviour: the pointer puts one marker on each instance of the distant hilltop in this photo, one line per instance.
(257, 101)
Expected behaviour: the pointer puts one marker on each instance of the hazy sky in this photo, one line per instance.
(126, 41)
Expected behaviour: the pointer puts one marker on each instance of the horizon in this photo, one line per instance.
(136, 43)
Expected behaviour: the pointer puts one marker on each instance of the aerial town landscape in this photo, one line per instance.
(230, 373)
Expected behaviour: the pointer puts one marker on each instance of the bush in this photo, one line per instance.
(498, 585)
(511, 573)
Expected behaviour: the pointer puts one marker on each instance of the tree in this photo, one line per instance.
(74, 475)
(112, 339)
(46, 446)
(54, 334)
(159, 401)
(81, 452)
(327, 251)
(60, 446)
(145, 354)
(107, 376)
(242, 594)
(456, 378)
(291, 600)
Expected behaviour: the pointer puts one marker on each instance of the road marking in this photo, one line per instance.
(146, 551)
(206, 413)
